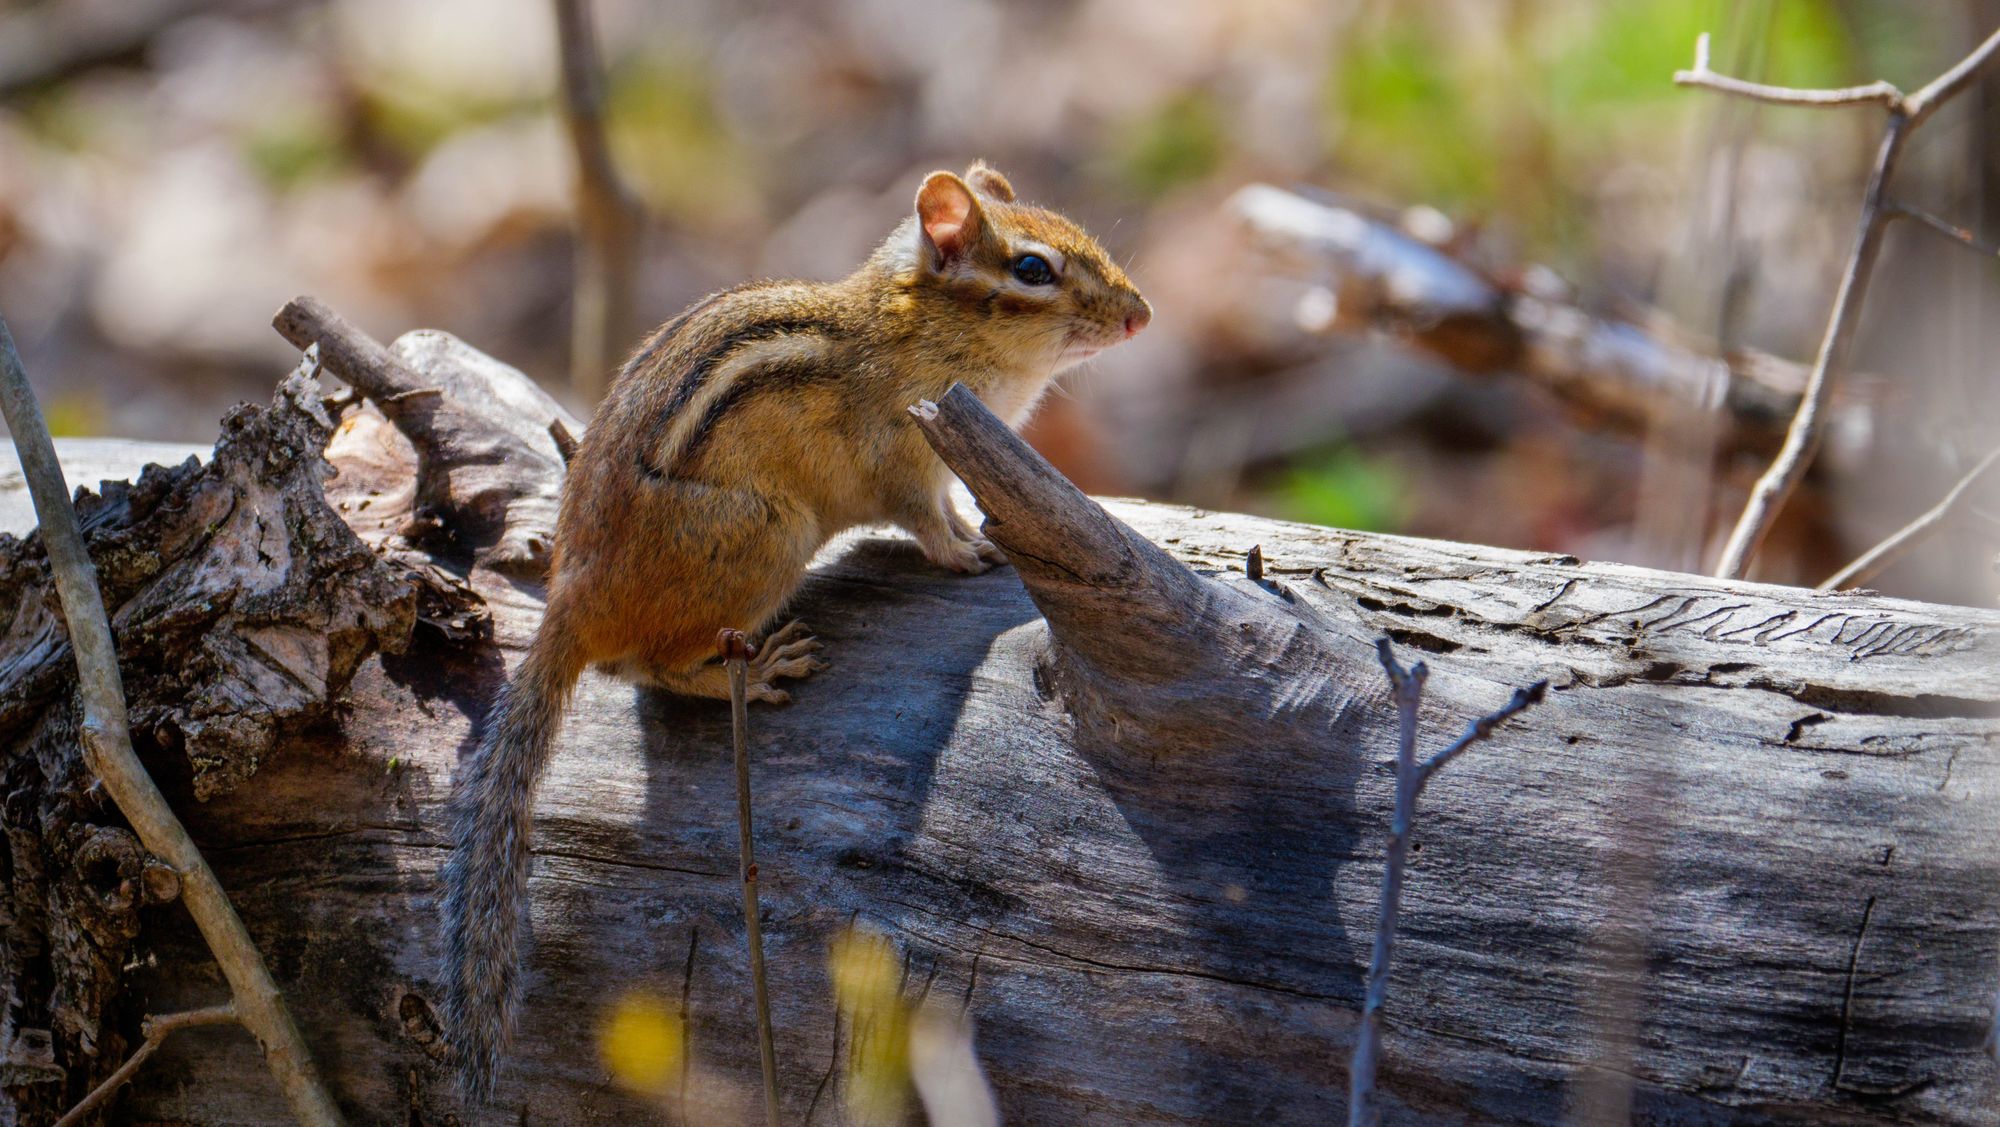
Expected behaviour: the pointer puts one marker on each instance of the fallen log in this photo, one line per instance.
(1624, 374)
(1144, 848)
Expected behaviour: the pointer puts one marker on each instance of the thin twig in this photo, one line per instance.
(1768, 496)
(1951, 231)
(1880, 93)
(1877, 559)
(107, 747)
(1406, 690)
(156, 1030)
(1480, 729)
(1946, 86)
(1906, 112)
(736, 654)
(610, 219)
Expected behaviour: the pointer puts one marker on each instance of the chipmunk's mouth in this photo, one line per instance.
(1087, 341)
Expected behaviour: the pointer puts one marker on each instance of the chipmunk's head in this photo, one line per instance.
(1028, 280)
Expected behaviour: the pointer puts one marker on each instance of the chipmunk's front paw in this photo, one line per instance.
(969, 557)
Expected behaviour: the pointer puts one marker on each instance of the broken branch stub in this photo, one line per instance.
(1142, 646)
(489, 464)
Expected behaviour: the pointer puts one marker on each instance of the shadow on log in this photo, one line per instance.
(1128, 803)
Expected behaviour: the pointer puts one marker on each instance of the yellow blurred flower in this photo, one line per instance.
(868, 986)
(643, 1043)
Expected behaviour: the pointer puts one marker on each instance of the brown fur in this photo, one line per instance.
(811, 438)
(740, 438)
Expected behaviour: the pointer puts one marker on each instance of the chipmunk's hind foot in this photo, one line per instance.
(786, 653)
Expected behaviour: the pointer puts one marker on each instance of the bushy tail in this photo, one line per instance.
(485, 880)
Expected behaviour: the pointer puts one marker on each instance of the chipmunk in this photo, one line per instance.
(741, 437)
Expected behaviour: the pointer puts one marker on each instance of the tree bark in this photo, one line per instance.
(1145, 848)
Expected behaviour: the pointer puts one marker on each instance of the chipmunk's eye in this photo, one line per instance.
(1034, 270)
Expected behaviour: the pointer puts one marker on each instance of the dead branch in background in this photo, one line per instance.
(1406, 691)
(610, 218)
(107, 746)
(1624, 372)
(1878, 559)
(41, 44)
(1906, 113)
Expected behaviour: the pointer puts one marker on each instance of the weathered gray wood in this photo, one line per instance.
(1156, 934)
(489, 474)
(242, 604)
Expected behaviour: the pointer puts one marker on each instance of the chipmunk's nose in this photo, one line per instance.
(1138, 320)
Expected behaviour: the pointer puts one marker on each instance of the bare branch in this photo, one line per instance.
(1947, 86)
(1768, 496)
(1774, 488)
(1879, 93)
(107, 746)
(736, 653)
(1951, 231)
(1877, 559)
(1481, 728)
(610, 218)
(1406, 691)
(156, 1031)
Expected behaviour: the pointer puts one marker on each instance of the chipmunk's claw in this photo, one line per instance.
(786, 653)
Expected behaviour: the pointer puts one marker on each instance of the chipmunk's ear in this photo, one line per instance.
(986, 180)
(948, 218)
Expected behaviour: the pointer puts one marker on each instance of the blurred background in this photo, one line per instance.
(171, 171)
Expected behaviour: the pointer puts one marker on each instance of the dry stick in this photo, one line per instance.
(1406, 690)
(156, 1030)
(1881, 93)
(1774, 488)
(1906, 112)
(1951, 231)
(610, 220)
(1877, 559)
(107, 747)
(736, 653)
(565, 441)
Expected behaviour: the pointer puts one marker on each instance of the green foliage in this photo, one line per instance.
(294, 149)
(1404, 113)
(55, 118)
(1343, 488)
(415, 117)
(1519, 122)
(671, 140)
(1180, 143)
(74, 416)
